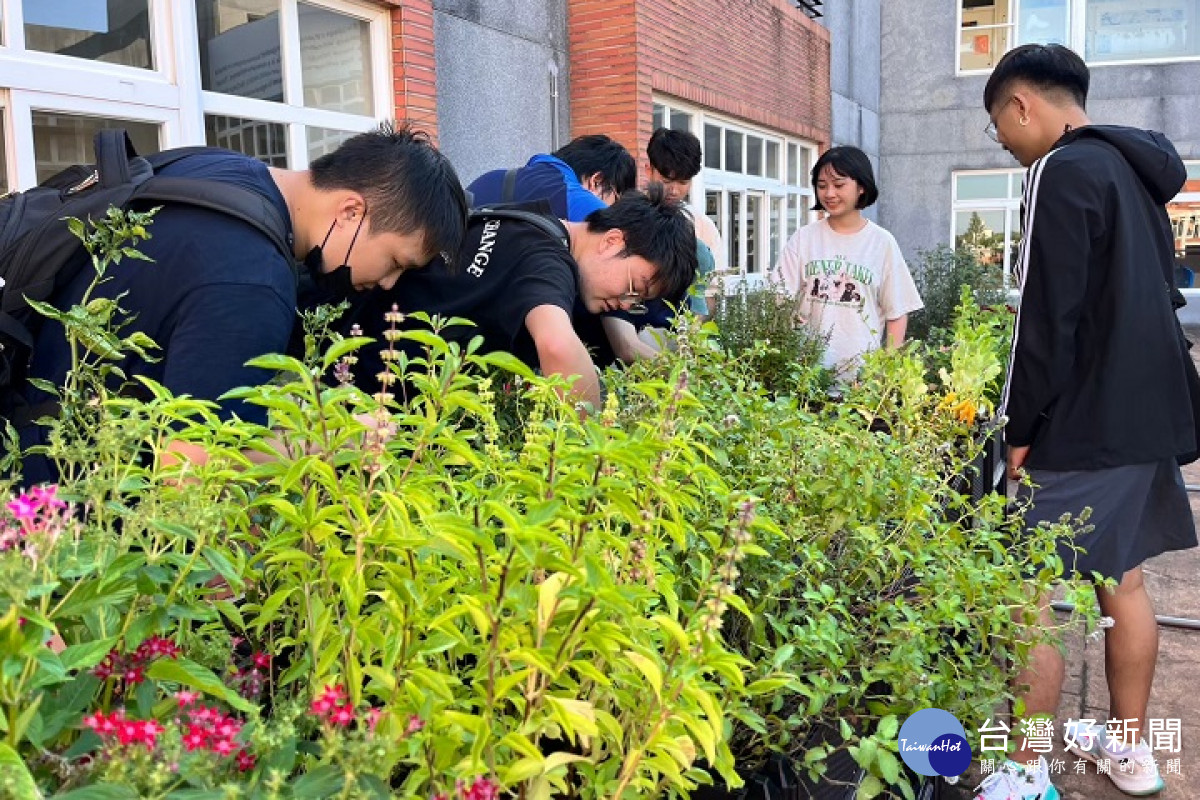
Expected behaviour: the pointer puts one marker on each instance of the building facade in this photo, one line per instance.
(943, 181)
(495, 80)
(283, 80)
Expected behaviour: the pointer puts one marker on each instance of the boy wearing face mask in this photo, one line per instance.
(219, 293)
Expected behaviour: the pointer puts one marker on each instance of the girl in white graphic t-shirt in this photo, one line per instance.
(846, 272)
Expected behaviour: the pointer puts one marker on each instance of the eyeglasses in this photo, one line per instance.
(990, 130)
(631, 300)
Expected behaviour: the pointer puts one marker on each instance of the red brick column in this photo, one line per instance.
(413, 65)
(762, 61)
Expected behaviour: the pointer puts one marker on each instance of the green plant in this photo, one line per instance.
(940, 275)
(759, 326)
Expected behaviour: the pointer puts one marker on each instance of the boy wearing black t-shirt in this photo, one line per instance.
(518, 284)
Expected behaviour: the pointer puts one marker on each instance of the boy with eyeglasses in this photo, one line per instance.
(1097, 399)
(519, 284)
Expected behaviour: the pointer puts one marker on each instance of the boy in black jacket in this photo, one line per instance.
(1097, 400)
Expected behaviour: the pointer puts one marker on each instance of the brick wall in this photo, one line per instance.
(413, 66)
(762, 61)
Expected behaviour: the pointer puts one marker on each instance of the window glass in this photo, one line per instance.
(266, 141)
(805, 167)
(112, 31)
(777, 202)
(985, 33)
(754, 155)
(63, 140)
(657, 117)
(773, 160)
(982, 233)
(680, 120)
(239, 48)
(981, 187)
(755, 203)
(1193, 173)
(733, 151)
(712, 207)
(1129, 30)
(1043, 21)
(794, 218)
(324, 140)
(793, 166)
(335, 60)
(712, 146)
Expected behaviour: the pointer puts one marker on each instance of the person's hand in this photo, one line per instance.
(1016, 462)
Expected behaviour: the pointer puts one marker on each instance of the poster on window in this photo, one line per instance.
(1043, 22)
(1129, 30)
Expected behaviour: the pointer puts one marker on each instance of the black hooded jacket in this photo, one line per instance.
(1097, 374)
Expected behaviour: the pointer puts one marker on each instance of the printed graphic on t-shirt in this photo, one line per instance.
(836, 281)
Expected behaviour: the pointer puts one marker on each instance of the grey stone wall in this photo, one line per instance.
(496, 67)
(932, 121)
(854, 28)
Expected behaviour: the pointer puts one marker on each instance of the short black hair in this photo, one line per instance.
(674, 154)
(852, 163)
(1047, 67)
(407, 183)
(657, 230)
(597, 153)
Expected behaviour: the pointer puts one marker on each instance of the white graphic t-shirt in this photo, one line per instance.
(848, 286)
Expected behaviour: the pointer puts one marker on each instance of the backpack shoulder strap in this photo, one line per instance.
(547, 225)
(508, 193)
(236, 201)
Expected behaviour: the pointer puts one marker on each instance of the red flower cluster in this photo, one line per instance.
(206, 728)
(479, 789)
(332, 706)
(132, 668)
(116, 726)
(249, 682)
(34, 521)
(203, 728)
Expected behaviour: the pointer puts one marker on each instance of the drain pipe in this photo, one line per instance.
(1183, 623)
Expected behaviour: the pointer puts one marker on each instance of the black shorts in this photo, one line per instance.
(1138, 511)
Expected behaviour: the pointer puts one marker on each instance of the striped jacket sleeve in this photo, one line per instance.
(1063, 214)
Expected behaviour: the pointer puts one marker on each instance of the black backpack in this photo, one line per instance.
(39, 254)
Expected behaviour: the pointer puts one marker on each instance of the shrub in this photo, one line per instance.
(940, 275)
(480, 593)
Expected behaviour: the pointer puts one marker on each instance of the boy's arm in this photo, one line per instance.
(626, 344)
(896, 329)
(561, 352)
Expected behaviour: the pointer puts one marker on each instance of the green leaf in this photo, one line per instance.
(88, 654)
(870, 787)
(194, 676)
(321, 783)
(100, 791)
(21, 782)
(649, 669)
(889, 726)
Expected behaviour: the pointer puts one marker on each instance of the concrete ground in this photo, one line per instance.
(1173, 580)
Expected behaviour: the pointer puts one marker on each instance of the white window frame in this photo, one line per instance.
(729, 183)
(1076, 35)
(1011, 206)
(171, 94)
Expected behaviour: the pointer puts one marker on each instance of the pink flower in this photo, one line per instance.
(245, 761)
(373, 715)
(262, 660)
(134, 675)
(24, 508)
(195, 738)
(101, 723)
(342, 715)
(482, 789)
(415, 724)
(186, 698)
(223, 747)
